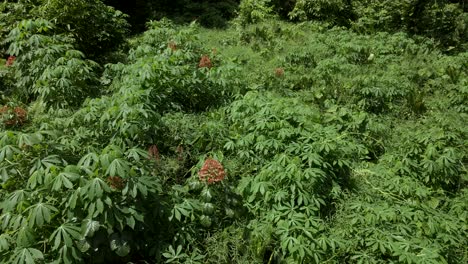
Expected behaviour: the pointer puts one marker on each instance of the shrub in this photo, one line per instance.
(251, 11)
(294, 167)
(339, 12)
(105, 33)
(443, 21)
(47, 66)
(13, 116)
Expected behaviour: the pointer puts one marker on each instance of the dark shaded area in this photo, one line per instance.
(136, 9)
(209, 13)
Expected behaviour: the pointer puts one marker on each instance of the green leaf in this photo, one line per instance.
(137, 153)
(26, 256)
(36, 179)
(4, 242)
(89, 227)
(89, 160)
(131, 222)
(95, 188)
(118, 167)
(83, 245)
(65, 234)
(29, 139)
(40, 213)
(120, 245)
(64, 179)
(99, 206)
(25, 237)
(7, 152)
(14, 199)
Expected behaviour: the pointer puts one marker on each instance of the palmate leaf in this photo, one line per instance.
(137, 154)
(95, 188)
(36, 179)
(65, 234)
(40, 213)
(25, 237)
(29, 139)
(7, 152)
(26, 256)
(120, 245)
(14, 199)
(83, 245)
(118, 167)
(64, 179)
(89, 160)
(69, 255)
(4, 175)
(89, 227)
(12, 221)
(141, 185)
(45, 163)
(4, 242)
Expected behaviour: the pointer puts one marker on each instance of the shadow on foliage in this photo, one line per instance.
(209, 13)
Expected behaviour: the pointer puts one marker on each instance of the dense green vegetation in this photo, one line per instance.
(305, 131)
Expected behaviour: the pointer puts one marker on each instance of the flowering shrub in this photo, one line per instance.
(327, 161)
(279, 72)
(13, 116)
(116, 182)
(212, 171)
(10, 61)
(180, 153)
(205, 62)
(49, 67)
(172, 45)
(153, 153)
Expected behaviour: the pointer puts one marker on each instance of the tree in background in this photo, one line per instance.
(96, 27)
(209, 13)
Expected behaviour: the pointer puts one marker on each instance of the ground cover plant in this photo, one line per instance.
(339, 136)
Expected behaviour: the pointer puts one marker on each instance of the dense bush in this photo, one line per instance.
(11, 13)
(299, 167)
(46, 66)
(79, 193)
(104, 34)
(339, 12)
(72, 18)
(445, 21)
(267, 142)
(209, 13)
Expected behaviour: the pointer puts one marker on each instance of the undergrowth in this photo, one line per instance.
(263, 143)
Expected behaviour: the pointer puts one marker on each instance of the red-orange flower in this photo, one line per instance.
(212, 171)
(205, 62)
(10, 61)
(172, 45)
(279, 72)
(153, 153)
(116, 182)
(180, 153)
(15, 116)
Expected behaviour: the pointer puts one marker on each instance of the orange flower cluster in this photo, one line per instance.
(205, 62)
(180, 153)
(10, 61)
(153, 153)
(116, 182)
(14, 116)
(212, 171)
(279, 72)
(172, 45)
